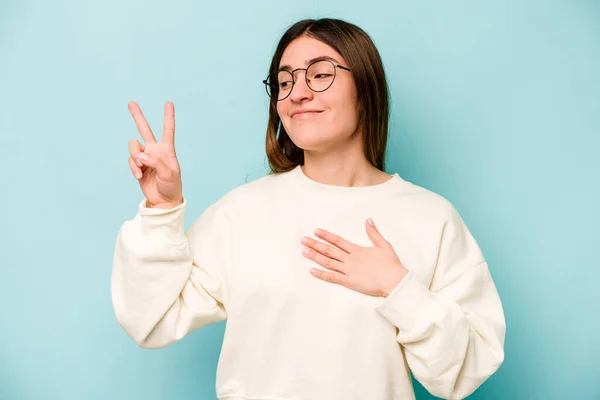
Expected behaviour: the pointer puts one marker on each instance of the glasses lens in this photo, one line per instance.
(283, 85)
(279, 85)
(320, 75)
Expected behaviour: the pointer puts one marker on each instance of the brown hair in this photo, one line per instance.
(357, 48)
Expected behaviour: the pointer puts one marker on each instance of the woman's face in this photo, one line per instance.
(333, 113)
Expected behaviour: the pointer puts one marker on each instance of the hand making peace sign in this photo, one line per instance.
(154, 164)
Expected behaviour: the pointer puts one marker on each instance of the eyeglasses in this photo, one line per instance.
(319, 77)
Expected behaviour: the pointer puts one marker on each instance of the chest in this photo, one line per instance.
(268, 271)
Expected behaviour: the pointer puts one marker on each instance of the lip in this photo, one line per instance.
(305, 113)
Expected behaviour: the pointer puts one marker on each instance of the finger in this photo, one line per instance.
(325, 249)
(135, 170)
(135, 148)
(141, 123)
(332, 277)
(322, 260)
(152, 161)
(374, 235)
(335, 240)
(169, 124)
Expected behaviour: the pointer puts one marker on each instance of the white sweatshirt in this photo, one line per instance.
(292, 336)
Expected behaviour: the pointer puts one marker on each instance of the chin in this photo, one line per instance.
(311, 140)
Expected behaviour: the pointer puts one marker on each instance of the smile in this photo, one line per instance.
(307, 114)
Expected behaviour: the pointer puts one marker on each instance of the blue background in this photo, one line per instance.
(496, 106)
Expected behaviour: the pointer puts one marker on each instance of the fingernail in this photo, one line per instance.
(143, 156)
(370, 221)
(138, 162)
(138, 175)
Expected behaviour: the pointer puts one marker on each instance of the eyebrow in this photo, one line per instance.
(320, 58)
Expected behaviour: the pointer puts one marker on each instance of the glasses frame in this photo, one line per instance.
(335, 67)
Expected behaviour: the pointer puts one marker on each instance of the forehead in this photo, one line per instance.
(302, 50)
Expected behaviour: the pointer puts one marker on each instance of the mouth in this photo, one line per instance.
(305, 114)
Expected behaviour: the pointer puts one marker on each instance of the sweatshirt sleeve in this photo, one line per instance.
(165, 282)
(452, 331)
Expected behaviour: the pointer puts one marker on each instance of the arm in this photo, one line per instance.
(166, 283)
(453, 332)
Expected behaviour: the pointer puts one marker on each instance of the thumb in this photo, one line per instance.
(152, 161)
(373, 233)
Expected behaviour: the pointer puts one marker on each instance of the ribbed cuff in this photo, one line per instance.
(408, 305)
(170, 220)
(158, 211)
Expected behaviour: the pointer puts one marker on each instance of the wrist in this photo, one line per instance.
(393, 282)
(164, 206)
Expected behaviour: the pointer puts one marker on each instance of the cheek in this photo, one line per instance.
(344, 100)
(282, 109)
(345, 109)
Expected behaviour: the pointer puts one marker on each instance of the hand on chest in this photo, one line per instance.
(272, 265)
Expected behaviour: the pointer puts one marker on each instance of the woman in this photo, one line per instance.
(341, 313)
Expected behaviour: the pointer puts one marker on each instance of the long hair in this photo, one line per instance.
(363, 59)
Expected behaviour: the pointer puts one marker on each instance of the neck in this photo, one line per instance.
(341, 169)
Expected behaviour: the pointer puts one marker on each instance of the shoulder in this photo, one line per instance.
(240, 199)
(425, 203)
(438, 218)
(251, 193)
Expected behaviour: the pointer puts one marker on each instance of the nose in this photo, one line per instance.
(301, 91)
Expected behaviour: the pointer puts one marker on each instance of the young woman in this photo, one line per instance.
(320, 302)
